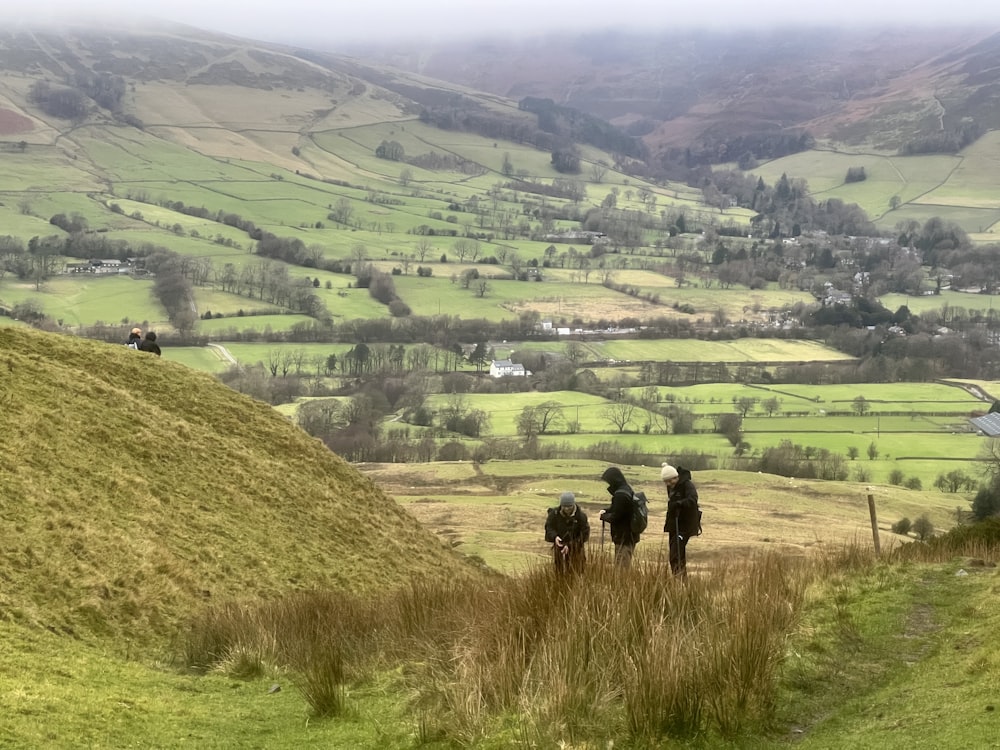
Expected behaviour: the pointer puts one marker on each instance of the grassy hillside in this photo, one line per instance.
(133, 490)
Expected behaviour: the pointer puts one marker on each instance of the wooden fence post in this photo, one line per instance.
(871, 512)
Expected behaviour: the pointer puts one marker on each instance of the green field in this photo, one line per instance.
(958, 188)
(921, 429)
(947, 301)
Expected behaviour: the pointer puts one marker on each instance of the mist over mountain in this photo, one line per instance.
(876, 87)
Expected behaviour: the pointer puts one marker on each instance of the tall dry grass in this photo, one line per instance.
(604, 655)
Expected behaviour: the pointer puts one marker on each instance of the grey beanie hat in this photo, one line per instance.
(567, 498)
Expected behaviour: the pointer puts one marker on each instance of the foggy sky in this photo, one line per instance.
(374, 20)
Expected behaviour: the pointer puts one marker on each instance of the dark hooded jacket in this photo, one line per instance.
(619, 513)
(149, 344)
(573, 529)
(682, 506)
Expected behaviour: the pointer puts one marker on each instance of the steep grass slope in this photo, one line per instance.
(132, 489)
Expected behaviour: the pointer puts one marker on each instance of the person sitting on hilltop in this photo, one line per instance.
(134, 339)
(149, 344)
(567, 530)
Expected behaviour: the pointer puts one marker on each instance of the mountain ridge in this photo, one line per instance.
(674, 87)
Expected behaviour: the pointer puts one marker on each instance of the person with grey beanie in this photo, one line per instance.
(683, 517)
(567, 530)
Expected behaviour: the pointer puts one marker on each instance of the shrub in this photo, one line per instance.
(399, 309)
(453, 451)
(902, 526)
(913, 483)
(923, 527)
(896, 477)
(986, 502)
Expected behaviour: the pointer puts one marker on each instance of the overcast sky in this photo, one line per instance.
(380, 20)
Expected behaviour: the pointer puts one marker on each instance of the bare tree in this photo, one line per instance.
(549, 413)
(516, 263)
(860, 406)
(462, 248)
(424, 246)
(358, 253)
(619, 413)
(745, 405)
(341, 211)
(575, 352)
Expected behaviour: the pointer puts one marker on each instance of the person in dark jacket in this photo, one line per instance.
(134, 339)
(682, 515)
(567, 530)
(619, 516)
(149, 344)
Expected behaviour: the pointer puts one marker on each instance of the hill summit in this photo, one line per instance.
(132, 489)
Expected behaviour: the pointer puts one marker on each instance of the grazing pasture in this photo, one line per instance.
(948, 302)
(920, 429)
(958, 188)
(86, 299)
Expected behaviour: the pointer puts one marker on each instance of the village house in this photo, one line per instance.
(502, 368)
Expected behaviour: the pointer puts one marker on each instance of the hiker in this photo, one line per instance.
(134, 339)
(619, 516)
(149, 344)
(567, 529)
(682, 515)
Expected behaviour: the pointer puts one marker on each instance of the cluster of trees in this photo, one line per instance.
(947, 142)
(579, 127)
(381, 287)
(718, 147)
(60, 101)
(75, 100)
(855, 174)
(391, 150)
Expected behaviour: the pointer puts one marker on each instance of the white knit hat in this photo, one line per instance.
(667, 472)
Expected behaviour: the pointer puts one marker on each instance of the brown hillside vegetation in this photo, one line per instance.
(133, 489)
(874, 86)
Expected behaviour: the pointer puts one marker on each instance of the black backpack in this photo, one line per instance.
(696, 531)
(640, 513)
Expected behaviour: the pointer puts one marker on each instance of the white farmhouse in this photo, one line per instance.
(502, 368)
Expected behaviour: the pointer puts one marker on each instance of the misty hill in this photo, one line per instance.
(133, 489)
(883, 88)
(182, 84)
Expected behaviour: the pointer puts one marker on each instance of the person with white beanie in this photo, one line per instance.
(683, 517)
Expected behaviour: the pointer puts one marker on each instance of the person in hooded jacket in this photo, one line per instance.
(567, 530)
(682, 515)
(619, 516)
(149, 344)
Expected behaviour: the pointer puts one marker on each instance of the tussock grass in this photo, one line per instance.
(608, 654)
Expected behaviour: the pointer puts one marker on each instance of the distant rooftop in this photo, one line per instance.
(988, 424)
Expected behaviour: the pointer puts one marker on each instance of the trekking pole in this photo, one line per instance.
(602, 535)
